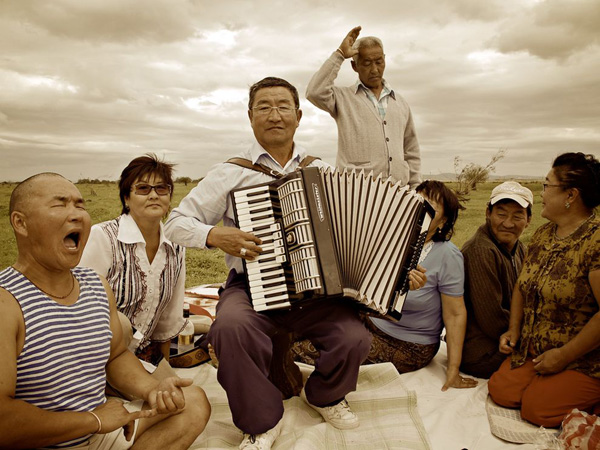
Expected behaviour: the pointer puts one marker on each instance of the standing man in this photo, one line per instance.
(375, 125)
(240, 336)
(493, 259)
(61, 342)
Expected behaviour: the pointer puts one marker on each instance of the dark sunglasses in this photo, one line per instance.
(145, 189)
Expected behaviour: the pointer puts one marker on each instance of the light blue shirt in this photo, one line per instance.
(379, 103)
(421, 320)
(209, 202)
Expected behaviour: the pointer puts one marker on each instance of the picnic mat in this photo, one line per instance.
(507, 424)
(386, 409)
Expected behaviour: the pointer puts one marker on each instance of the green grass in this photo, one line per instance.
(208, 266)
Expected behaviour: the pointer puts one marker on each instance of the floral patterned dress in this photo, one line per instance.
(557, 296)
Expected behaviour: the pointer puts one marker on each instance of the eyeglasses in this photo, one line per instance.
(145, 189)
(266, 110)
(547, 185)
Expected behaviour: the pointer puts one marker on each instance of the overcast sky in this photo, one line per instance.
(86, 86)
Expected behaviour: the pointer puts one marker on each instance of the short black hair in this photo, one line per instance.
(438, 191)
(142, 166)
(273, 82)
(582, 172)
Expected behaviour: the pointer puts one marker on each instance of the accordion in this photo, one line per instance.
(328, 233)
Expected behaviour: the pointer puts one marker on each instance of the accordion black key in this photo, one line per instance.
(329, 233)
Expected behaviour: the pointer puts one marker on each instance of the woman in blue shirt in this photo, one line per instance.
(412, 342)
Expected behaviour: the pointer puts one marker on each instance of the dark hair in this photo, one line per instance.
(438, 191)
(581, 172)
(143, 166)
(272, 82)
(504, 201)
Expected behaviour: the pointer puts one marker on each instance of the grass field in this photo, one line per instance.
(208, 266)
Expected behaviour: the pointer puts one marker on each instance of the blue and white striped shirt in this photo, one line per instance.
(62, 366)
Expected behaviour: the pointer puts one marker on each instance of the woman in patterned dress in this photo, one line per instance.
(554, 328)
(145, 270)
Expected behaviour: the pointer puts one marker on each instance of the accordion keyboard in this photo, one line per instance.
(266, 276)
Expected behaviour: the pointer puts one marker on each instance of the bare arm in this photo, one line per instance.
(455, 320)
(587, 339)
(23, 425)
(509, 339)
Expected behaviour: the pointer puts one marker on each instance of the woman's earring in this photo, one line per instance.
(567, 205)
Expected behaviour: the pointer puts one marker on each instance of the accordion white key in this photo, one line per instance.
(329, 233)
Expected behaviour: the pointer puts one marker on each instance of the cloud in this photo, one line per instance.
(106, 21)
(552, 29)
(90, 85)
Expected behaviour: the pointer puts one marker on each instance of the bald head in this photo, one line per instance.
(21, 196)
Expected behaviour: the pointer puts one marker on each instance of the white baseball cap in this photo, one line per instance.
(511, 190)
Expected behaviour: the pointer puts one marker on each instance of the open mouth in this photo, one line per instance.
(72, 240)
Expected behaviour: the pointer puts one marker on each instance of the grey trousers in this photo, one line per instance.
(241, 338)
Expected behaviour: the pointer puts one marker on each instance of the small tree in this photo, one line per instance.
(184, 180)
(473, 174)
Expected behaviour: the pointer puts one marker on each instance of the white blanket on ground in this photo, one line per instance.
(396, 412)
(387, 413)
(457, 418)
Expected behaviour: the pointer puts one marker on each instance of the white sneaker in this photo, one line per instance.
(339, 415)
(262, 441)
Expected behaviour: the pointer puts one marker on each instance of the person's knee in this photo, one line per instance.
(357, 341)
(236, 329)
(197, 408)
(499, 393)
(536, 413)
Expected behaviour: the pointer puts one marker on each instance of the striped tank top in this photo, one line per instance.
(62, 364)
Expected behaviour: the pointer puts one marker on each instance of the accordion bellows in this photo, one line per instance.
(330, 233)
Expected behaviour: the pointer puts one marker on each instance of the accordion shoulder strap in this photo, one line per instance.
(243, 162)
(306, 161)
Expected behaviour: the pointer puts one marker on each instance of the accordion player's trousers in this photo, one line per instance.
(241, 338)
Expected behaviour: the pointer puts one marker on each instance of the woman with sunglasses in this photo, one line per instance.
(554, 328)
(145, 270)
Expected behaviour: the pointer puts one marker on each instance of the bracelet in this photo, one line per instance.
(341, 52)
(99, 422)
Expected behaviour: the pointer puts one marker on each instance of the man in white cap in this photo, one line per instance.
(493, 259)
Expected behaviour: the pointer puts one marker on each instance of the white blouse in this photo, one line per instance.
(150, 295)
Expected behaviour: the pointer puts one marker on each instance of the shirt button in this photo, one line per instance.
(390, 158)
(385, 122)
(387, 139)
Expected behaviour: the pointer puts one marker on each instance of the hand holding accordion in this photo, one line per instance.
(331, 233)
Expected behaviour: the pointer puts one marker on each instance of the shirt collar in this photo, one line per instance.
(387, 89)
(129, 232)
(257, 152)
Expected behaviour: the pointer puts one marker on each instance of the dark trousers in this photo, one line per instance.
(241, 338)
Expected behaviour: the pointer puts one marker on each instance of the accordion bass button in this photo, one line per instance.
(290, 238)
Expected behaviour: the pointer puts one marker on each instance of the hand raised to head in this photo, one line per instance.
(348, 42)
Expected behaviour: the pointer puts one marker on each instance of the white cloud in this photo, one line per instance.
(87, 86)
